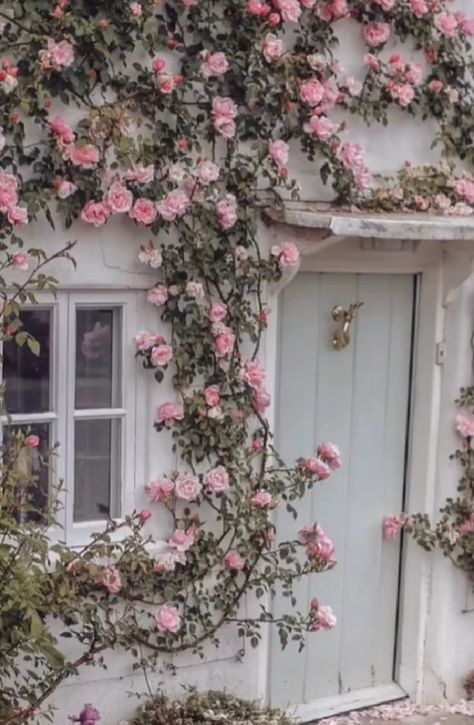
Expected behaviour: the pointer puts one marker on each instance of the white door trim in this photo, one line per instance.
(428, 260)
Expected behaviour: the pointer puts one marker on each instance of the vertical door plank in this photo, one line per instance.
(366, 472)
(330, 500)
(296, 402)
(396, 422)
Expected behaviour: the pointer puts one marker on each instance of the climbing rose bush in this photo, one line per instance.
(181, 121)
(453, 532)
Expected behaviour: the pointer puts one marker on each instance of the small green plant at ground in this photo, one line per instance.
(211, 708)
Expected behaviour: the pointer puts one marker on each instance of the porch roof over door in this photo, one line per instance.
(331, 222)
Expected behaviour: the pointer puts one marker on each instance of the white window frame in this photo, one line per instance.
(62, 414)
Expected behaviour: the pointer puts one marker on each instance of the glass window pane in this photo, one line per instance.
(27, 376)
(97, 358)
(97, 469)
(33, 490)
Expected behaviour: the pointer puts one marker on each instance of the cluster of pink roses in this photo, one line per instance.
(224, 112)
(154, 348)
(16, 215)
(187, 487)
(326, 459)
(452, 24)
(351, 157)
(319, 547)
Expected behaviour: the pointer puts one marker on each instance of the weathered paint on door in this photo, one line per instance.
(357, 398)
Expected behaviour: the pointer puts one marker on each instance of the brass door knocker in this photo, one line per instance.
(341, 337)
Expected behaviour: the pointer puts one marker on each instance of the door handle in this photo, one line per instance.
(341, 337)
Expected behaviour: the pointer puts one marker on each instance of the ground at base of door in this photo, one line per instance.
(407, 713)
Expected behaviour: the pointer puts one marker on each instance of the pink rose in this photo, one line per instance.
(158, 64)
(187, 487)
(234, 561)
(253, 375)
(322, 548)
(136, 10)
(8, 197)
(181, 540)
(465, 189)
(66, 189)
(161, 355)
(330, 454)
(32, 441)
(118, 198)
(158, 295)
(447, 24)
(168, 413)
(167, 619)
(392, 526)
(376, 34)
(272, 48)
(212, 395)
(57, 55)
(287, 253)
(278, 152)
(226, 210)
(208, 172)
(464, 424)
(213, 64)
(166, 560)
(159, 489)
(261, 499)
(217, 312)
(223, 113)
(414, 74)
(261, 401)
(217, 479)
(351, 156)
(96, 213)
(151, 256)
(308, 533)
(405, 95)
(322, 618)
(290, 10)
(143, 212)
(110, 579)
(385, 4)
(144, 340)
(224, 342)
(17, 215)
(317, 467)
(86, 156)
(321, 127)
(61, 130)
(418, 7)
(371, 61)
(140, 174)
(173, 206)
(144, 516)
(311, 92)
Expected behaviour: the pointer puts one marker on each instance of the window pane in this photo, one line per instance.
(32, 491)
(97, 358)
(96, 469)
(27, 376)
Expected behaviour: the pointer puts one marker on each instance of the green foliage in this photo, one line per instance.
(212, 708)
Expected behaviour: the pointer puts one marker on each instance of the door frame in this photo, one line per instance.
(438, 274)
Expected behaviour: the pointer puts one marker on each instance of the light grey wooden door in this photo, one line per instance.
(357, 398)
